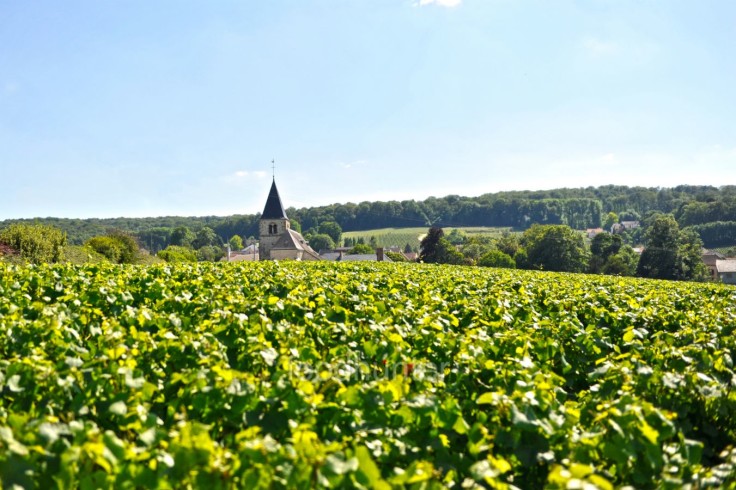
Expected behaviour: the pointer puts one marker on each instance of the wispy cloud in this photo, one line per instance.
(352, 164)
(10, 87)
(440, 3)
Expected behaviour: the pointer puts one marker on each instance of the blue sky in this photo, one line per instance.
(149, 108)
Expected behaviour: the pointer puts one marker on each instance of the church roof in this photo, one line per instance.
(293, 240)
(274, 209)
(290, 240)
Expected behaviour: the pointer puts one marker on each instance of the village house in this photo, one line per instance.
(726, 270)
(248, 254)
(721, 269)
(710, 257)
(624, 226)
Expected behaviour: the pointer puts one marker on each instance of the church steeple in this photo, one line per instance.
(274, 209)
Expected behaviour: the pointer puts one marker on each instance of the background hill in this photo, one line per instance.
(710, 210)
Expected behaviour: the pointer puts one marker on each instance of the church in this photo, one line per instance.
(277, 241)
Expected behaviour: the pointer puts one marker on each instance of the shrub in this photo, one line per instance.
(35, 243)
(496, 258)
(80, 254)
(175, 253)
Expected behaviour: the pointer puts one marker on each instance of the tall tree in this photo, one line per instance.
(236, 242)
(428, 247)
(182, 237)
(436, 249)
(206, 237)
(603, 246)
(321, 241)
(332, 229)
(611, 219)
(671, 253)
(555, 248)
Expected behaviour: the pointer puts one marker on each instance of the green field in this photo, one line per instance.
(301, 375)
(399, 237)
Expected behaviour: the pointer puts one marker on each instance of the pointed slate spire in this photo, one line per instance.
(274, 209)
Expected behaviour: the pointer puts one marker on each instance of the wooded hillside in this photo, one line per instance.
(579, 208)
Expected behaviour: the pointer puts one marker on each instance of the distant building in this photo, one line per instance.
(249, 253)
(592, 232)
(720, 268)
(624, 226)
(726, 271)
(710, 259)
(277, 241)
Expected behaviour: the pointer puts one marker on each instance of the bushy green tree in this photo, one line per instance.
(474, 251)
(395, 256)
(176, 254)
(321, 241)
(496, 258)
(130, 248)
(106, 246)
(555, 248)
(622, 263)
(610, 255)
(117, 246)
(35, 243)
(182, 237)
(332, 229)
(611, 219)
(235, 242)
(206, 237)
(456, 237)
(436, 249)
(671, 253)
(509, 243)
(210, 253)
(361, 248)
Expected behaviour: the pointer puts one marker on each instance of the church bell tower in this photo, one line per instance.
(274, 223)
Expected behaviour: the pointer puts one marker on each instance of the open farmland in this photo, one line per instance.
(294, 375)
(399, 237)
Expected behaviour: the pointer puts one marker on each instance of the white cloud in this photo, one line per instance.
(441, 3)
(241, 176)
(352, 164)
(11, 87)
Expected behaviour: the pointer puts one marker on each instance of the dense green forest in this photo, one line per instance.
(697, 206)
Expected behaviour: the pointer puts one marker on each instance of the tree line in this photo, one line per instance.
(670, 252)
(577, 208)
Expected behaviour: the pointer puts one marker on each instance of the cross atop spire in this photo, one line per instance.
(273, 168)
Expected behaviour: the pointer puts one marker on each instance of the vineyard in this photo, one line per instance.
(301, 375)
(399, 237)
